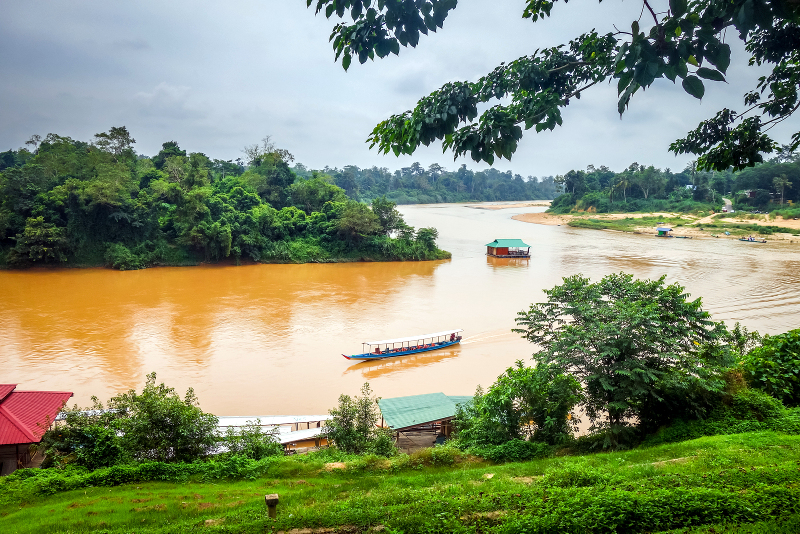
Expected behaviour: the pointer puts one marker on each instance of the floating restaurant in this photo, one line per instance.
(508, 248)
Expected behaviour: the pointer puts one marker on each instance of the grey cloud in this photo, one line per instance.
(216, 76)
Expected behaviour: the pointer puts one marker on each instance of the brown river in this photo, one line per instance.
(268, 339)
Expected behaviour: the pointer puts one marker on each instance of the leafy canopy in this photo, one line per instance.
(626, 341)
(775, 366)
(525, 403)
(677, 40)
(353, 426)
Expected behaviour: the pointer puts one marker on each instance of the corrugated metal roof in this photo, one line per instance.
(5, 389)
(507, 243)
(26, 415)
(269, 420)
(404, 412)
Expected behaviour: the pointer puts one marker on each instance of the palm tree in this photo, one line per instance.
(782, 182)
(623, 183)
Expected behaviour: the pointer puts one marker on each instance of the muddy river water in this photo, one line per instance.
(268, 339)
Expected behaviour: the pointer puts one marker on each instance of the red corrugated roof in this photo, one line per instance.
(25, 415)
(5, 389)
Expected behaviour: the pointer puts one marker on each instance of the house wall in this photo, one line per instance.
(501, 251)
(9, 459)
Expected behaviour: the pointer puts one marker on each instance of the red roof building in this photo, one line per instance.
(24, 417)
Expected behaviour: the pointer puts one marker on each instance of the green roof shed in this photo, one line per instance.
(405, 412)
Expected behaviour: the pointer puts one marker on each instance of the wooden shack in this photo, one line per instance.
(508, 248)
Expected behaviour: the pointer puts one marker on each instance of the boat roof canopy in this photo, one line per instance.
(507, 243)
(663, 229)
(414, 338)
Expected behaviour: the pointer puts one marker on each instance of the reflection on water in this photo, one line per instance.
(268, 339)
(505, 263)
(371, 370)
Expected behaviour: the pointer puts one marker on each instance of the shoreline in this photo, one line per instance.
(691, 228)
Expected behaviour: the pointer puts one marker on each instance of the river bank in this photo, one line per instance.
(683, 224)
(731, 483)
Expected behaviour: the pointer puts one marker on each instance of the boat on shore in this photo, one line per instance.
(391, 348)
(752, 240)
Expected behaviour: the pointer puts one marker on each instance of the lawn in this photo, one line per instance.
(745, 483)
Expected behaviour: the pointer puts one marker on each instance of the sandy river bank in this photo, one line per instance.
(690, 228)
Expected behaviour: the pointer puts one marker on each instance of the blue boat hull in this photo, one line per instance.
(384, 355)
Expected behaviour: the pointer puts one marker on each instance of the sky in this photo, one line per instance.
(216, 76)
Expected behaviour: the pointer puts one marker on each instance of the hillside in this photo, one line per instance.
(736, 483)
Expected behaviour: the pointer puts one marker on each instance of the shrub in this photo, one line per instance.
(516, 450)
(251, 441)
(120, 257)
(525, 403)
(774, 367)
(353, 429)
(747, 410)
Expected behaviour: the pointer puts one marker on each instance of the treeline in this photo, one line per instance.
(417, 185)
(647, 188)
(91, 203)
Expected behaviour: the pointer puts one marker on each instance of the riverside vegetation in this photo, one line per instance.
(694, 428)
(77, 203)
(767, 186)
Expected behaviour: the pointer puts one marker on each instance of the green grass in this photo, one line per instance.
(628, 224)
(744, 481)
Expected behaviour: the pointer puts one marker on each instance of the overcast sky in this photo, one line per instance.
(216, 76)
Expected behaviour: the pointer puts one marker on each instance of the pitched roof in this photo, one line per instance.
(25, 415)
(507, 243)
(404, 412)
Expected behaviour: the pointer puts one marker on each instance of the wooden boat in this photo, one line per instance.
(390, 348)
(752, 240)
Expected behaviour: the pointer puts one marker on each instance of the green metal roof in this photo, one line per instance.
(507, 243)
(403, 412)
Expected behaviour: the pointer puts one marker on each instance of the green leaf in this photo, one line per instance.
(678, 7)
(692, 61)
(710, 74)
(694, 86)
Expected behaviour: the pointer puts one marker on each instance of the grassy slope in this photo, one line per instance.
(749, 479)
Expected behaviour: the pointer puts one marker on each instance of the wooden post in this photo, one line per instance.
(272, 504)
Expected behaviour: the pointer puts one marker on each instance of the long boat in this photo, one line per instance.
(746, 240)
(390, 348)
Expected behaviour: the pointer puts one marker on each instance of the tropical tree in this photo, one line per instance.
(525, 403)
(677, 40)
(388, 216)
(782, 182)
(358, 221)
(157, 424)
(626, 341)
(117, 141)
(774, 367)
(353, 426)
(622, 183)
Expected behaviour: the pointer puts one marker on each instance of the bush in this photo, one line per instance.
(155, 424)
(747, 410)
(774, 367)
(118, 256)
(353, 429)
(525, 403)
(250, 441)
(516, 450)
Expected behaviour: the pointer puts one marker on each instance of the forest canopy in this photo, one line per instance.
(766, 186)
(92, 203)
